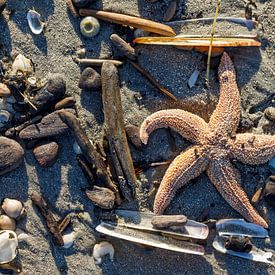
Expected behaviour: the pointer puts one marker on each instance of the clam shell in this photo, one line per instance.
(239, 227)
(13, 208)
(8, 246)
(255, 254)
(22, 64)
(7, 223)
(34, 21)
(101, 249)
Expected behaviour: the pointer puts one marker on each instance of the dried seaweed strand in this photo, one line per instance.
(115, 131)
(48, 215)
(152, 80)
(211, 42)
(89, 151)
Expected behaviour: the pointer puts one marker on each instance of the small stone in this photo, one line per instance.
(4, 90)
(11, 155)
(132, 133)
(50, 125)
(102, 197)
(123, 47)
(164, 221)
(2, 5)
(270, 113)
(90, 79)
(66, 102)
(239, 244)
(46, 153)
(82, 3)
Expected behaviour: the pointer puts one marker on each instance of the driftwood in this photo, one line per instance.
(102, 197)
(165, 221)
(89, 151)
(115, 132)
(131, 21)
(48, 215)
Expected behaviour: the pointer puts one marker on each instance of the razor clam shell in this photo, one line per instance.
(142, 221)
(149, 239)
(227, 227)
(255, 254)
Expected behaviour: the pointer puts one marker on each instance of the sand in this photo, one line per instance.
(63, 184)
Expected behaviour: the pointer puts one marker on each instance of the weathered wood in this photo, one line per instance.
(165, 221)
(102, 197)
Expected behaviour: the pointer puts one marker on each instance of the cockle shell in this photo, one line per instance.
(22, 64)
(13, 208)
(7, 223)
(101, 249)
(34, 21)
(8, 246)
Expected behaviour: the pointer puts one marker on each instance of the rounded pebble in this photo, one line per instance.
(89, 26)
(13, 208)
(90, 79)
(46, 153)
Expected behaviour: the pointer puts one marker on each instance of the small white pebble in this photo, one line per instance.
(101, 249)
(68, 239)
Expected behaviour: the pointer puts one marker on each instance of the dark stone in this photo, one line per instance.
(82, 3)
(11, 155)
(239, 244)
(89, 79)
(132, 133)
(165, 221)
(102, 197)
(46, 153)
(50, 125)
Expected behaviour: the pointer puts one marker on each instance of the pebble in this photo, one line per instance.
(2, 5)
(270, 113)
(66, 102)
(123, 47)
(50, 125)
(46, 153)
(102, 197)
(68, 239)
(11, 155)
(132, 133)
(90, 79)
(4, 90)
(164, 221)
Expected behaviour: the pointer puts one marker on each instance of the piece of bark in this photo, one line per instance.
(63, 224)
(102, 197)
(48, 215)
(164, 221)
(114, 126)
(46, 153)
(50, 125)
(89, 151)
(131, 21)
(11, 155)
(123, 47)
(147, 75)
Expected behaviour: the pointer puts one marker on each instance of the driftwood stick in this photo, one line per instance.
(114, 124)
(89, 151)
(128, 20)
(48, 215)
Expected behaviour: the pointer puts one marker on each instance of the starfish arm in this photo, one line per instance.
(188, 125)
(225, 118)
(253, 149)
(226, 179)
(185, 167)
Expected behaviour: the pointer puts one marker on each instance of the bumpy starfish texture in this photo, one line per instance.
(215, 143)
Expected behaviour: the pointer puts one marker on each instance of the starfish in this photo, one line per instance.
(215, 143)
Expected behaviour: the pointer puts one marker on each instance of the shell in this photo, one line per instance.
(102, 249)
(8, 246)
(22, 64)
(193, 78)
(35, 24)
(4, 90)
(13, 208)
(89, 26)
(68, 239)
(7, 223)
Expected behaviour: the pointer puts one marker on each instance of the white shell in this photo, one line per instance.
(68, 239)
(7, 223)
(13, 208)
(8, 246)
(101, 249)
(193, 78)
(34, 21)
(22, 64)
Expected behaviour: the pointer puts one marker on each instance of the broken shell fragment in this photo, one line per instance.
(89, 26)
(13, 208)
(4, 90)
(8, 246)
(255, 254)
(22, 64)
(34, 21)
(102, 249)
(68, 239)
(7, 223)
(193, 79)
(239, 227)
(239, 244)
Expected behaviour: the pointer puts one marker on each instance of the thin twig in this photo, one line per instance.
(211, 42)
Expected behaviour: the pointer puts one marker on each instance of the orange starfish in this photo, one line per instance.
(216, 143)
